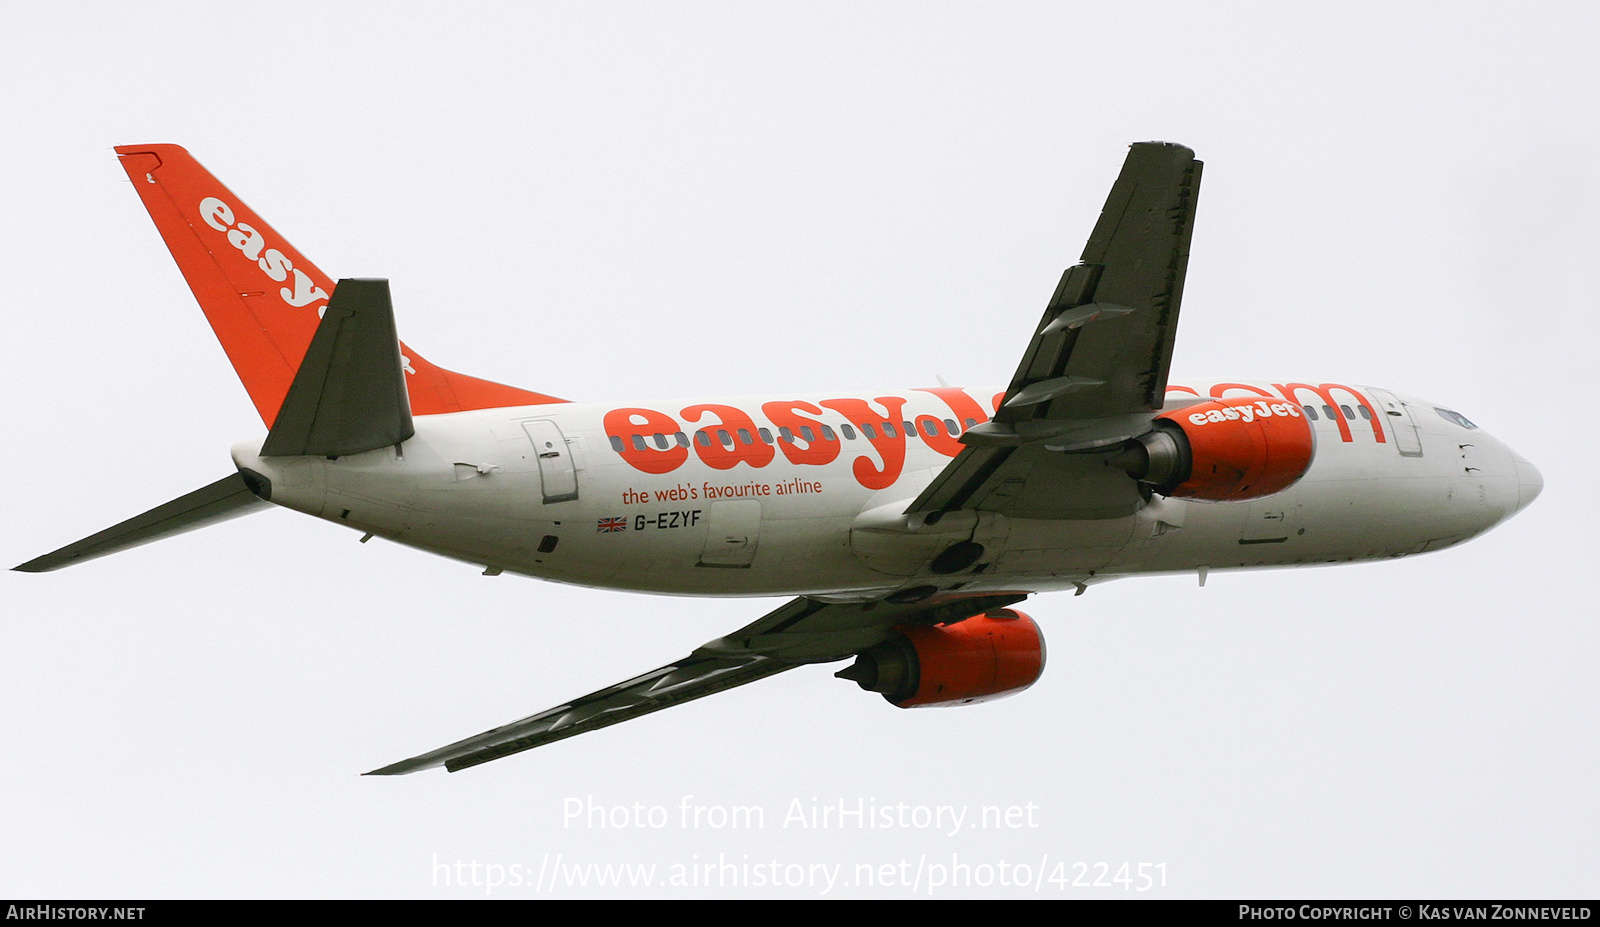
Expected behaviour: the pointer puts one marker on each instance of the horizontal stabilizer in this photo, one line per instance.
(349, 394)
(227, 498)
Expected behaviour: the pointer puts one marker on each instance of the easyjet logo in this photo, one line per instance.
(1248, 413)
(250, 243)
(726, 436)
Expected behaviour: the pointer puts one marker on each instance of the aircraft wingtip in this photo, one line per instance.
(402, 768)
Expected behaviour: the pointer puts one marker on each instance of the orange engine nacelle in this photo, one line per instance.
(1224, 450)
(987, 656)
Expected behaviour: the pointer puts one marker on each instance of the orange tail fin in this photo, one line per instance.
(262, 297)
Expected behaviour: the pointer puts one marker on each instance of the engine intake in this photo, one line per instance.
(984, 657)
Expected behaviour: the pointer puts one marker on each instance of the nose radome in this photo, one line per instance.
(1529, 481)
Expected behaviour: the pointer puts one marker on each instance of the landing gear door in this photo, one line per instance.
(556, 470)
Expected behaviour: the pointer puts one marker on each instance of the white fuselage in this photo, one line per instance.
(760, 514)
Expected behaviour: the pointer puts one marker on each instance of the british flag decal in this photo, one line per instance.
(609, 525)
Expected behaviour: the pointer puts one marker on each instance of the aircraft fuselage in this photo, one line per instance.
(610, 496)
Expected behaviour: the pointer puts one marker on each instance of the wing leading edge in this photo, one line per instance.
(1096, 368)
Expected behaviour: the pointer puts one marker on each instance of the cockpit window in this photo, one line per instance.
(1455, 418)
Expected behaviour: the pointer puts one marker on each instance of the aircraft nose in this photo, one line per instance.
(1529, 481)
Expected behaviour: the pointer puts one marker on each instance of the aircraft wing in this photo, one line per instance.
(1096, 368)
(804, 630)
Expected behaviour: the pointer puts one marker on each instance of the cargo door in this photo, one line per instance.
(1270, 521)
(733, 529)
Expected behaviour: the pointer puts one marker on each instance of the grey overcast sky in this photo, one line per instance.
(626, 200)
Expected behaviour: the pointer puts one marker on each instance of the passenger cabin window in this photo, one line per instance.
(849, 433)
(786, 435)
(1348, 413)
(660, 440)
(1311, 412)
(1365, 412)
(888, 430)
(725, 438)
(950, 427)
(638, 443)
(702, 439)
(972, 423)
(616, 443)
(928, 427)
(766, 435)
(828, 435)
(1332, 415)
(682, 439)
(868, 430)
(745, 438)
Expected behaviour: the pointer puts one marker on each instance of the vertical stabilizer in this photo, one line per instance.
(264, 298)
(349, 395)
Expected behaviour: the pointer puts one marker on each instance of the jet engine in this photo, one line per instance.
(984, 657)
(1223, 450)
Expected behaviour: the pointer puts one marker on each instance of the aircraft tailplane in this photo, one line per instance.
(227, 498)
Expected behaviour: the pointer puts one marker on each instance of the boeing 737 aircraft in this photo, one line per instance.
(905, 523)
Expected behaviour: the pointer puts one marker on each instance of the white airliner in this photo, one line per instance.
(905, 523)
